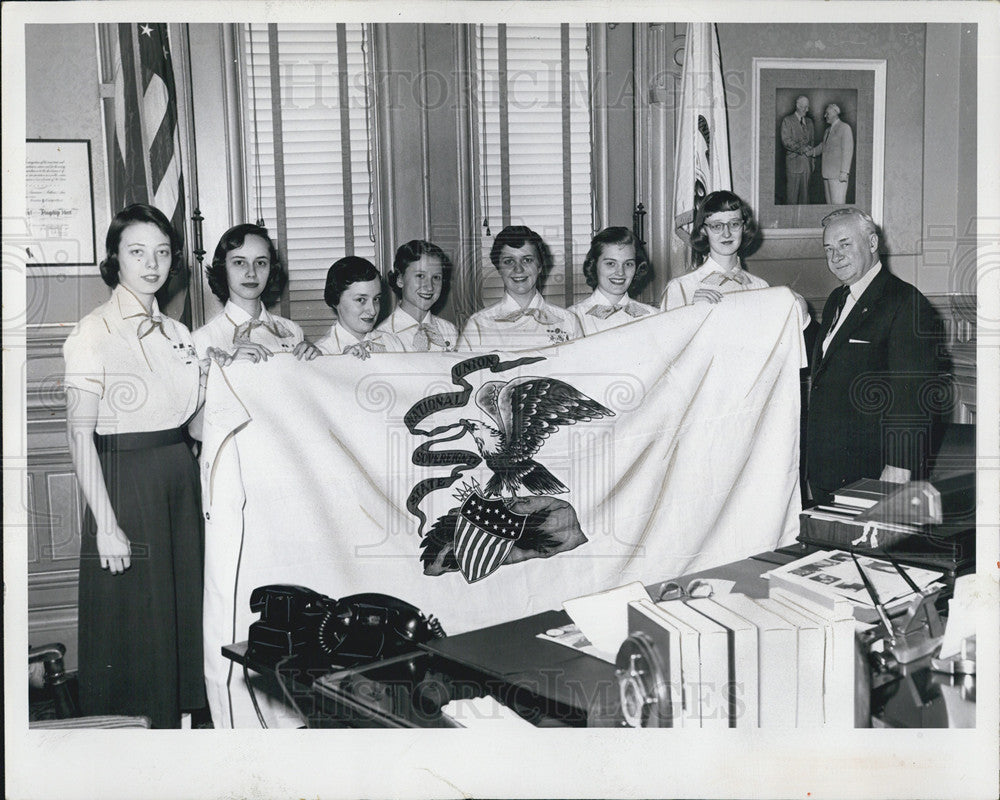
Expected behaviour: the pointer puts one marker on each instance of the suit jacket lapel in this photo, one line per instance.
(862, 308)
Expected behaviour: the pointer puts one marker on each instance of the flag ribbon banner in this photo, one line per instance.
(667, 446)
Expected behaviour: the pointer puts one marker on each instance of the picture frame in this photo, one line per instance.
(59, 204)
(779, 168)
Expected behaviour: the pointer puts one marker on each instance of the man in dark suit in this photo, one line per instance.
(797, 136)
(876, 368)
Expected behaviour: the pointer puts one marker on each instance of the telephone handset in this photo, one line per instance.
(363, 627)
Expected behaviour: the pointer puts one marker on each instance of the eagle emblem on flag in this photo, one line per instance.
(513, 517)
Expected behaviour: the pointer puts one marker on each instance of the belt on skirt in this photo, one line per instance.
(144, 440)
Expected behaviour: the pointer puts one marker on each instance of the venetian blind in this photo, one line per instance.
(306, 115)
(533, 118)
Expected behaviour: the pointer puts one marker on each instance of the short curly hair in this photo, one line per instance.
(233, 239)
(620, 236)
(130, 215)
(413, 251)
(713, 204)
(344, 272)
(516, 236)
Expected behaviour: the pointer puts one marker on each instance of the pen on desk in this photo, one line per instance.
(909, 581)
(870, 587)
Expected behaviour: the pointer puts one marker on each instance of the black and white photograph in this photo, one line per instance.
(355, 352)
(820, 128)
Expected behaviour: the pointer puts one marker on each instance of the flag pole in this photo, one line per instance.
(186, 121)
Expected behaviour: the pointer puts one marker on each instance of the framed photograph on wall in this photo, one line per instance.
(60, 203)
(818, 140)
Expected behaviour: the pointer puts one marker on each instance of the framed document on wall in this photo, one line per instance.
(818, 140)
(59, 203)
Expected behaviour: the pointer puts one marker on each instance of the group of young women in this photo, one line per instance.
(135, 382)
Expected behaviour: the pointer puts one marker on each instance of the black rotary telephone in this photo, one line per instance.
(363, 627)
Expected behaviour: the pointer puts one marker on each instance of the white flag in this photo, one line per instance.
(701, 158)
(486, 487)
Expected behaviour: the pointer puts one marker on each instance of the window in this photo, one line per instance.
(309, 153)
(534, 147)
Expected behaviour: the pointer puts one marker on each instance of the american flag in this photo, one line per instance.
(485, 535)
(145, 162)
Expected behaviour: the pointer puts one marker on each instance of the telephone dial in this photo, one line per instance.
(362, 627)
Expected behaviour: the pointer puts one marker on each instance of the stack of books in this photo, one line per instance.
(733, 661)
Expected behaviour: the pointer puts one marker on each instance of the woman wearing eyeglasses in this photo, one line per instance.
(723, 230)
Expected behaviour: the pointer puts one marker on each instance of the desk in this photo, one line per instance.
(554, 686)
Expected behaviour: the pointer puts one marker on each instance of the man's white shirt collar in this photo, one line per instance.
(858, 287)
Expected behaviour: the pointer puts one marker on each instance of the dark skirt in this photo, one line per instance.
(140, 631)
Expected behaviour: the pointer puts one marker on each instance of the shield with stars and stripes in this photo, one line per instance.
(485, 533)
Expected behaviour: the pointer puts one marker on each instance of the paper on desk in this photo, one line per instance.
(571, 637)
(603, 616)
(484, 712)
(961, 616)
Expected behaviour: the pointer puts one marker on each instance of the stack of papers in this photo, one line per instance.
(829, 575)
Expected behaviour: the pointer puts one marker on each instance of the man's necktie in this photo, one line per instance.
(242, 332)
(426, 336)
(838, 307)
(540, 315)
(630, 308)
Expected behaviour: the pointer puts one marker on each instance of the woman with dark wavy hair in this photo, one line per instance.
(133, 383)
(616, 269)
(523, 319)
(354, 291)
(724, 229)
(247, 276)
(420, 274)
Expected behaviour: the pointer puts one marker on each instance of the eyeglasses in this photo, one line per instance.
(733, 226)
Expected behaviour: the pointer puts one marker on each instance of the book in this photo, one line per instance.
(864, 493)
(841, 708)
(744, 683)
(645, 617)
(713, 663)
(776, 667)
(809, 663)
(690, 668)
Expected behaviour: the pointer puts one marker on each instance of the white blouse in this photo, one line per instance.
(506, 326)
(597, 313)
(680, 291)
(433, 333)
(143, 367)
(275, 333)
(338, 339)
